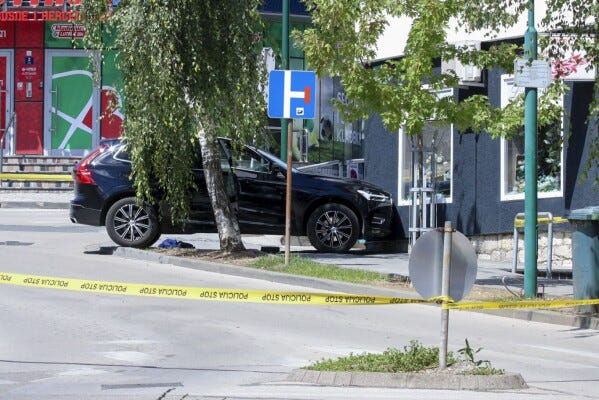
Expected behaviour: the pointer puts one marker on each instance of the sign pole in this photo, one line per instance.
(284, 65)
(445, 293)
(290, 95)
(286, 132)
(288, 192)
(530, 165)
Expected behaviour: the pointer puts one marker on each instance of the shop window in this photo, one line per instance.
(549, 154)
(437, 142)
(330, 138)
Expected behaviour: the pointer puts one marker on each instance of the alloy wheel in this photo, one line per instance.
(131, 222)
(334, 229)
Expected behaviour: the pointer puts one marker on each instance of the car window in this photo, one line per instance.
(224, 160)
(122, 154)
(251, 161)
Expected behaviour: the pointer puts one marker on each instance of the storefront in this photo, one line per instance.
(50, 102)
(53, 104)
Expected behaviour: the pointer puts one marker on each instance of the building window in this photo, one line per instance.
(549, 154)
(437, 144)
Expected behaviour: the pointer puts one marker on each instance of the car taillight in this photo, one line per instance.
(82, 173)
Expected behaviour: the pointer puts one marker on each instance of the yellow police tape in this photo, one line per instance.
(263, 296)
(36, 177)
(502, 305)
(197, 293)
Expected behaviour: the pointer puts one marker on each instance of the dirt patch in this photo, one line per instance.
(241, 258)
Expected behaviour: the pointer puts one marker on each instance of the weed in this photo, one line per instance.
(468, 354)
(413, 357)
(481, 367)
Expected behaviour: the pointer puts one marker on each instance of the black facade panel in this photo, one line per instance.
(476, 206)
(579, 136)
(381, 145)
(462, 209)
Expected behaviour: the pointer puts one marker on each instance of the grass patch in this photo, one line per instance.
(303, 266)
(412, 358)
(483, 370)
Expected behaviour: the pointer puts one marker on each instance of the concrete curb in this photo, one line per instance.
(432, 380)
(550, 317)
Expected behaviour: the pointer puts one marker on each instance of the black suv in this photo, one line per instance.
(333, 212)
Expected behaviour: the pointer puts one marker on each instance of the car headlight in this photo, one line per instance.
(380, 197)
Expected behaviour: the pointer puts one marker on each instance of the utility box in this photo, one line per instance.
(585, 254)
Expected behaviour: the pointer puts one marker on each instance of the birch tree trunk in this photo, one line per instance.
(226, 221)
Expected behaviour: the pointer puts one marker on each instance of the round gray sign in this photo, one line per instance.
(426, 265)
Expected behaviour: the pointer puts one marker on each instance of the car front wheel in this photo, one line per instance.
(333, 228)
(130, 224)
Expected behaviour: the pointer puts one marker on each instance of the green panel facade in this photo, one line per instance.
(72, 85)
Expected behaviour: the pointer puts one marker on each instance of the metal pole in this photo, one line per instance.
(284, 65)
(548, 272)
(286, 131)
(515, 256)
(530, 165)
(445, 293)
(288, 195)
(1, 157)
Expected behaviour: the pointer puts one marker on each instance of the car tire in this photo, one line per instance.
(333, 228)
(130, 224)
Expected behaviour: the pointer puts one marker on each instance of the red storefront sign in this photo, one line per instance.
(44, 3)
(68, 31)
(39, 16)
(29, 11)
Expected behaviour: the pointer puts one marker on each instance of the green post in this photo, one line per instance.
(530, 165)
(284, 65)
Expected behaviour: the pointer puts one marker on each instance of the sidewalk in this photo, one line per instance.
(489, 273)
(28, 199)
(496, 274)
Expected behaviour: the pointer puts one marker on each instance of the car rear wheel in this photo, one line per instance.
(333, 228)
(130, 224)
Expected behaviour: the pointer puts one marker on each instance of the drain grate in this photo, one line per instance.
(142, 385)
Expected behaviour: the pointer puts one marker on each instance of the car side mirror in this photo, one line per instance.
(278, 172)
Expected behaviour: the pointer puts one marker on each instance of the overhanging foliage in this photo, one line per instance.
(343, 42)
(187, 66)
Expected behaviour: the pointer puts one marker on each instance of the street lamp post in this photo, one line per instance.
(530, 165)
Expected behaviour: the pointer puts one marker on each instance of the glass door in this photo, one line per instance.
(6, 98)
(72, 104)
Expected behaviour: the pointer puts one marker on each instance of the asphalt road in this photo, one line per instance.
(72, 345)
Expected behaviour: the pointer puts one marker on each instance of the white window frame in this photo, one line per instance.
(401, 136)
(508, 92)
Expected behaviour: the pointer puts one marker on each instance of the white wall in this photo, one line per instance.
(393, 40)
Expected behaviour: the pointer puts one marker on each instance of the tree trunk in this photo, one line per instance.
(226, 220)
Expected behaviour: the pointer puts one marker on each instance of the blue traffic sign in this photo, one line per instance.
(291, 94)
